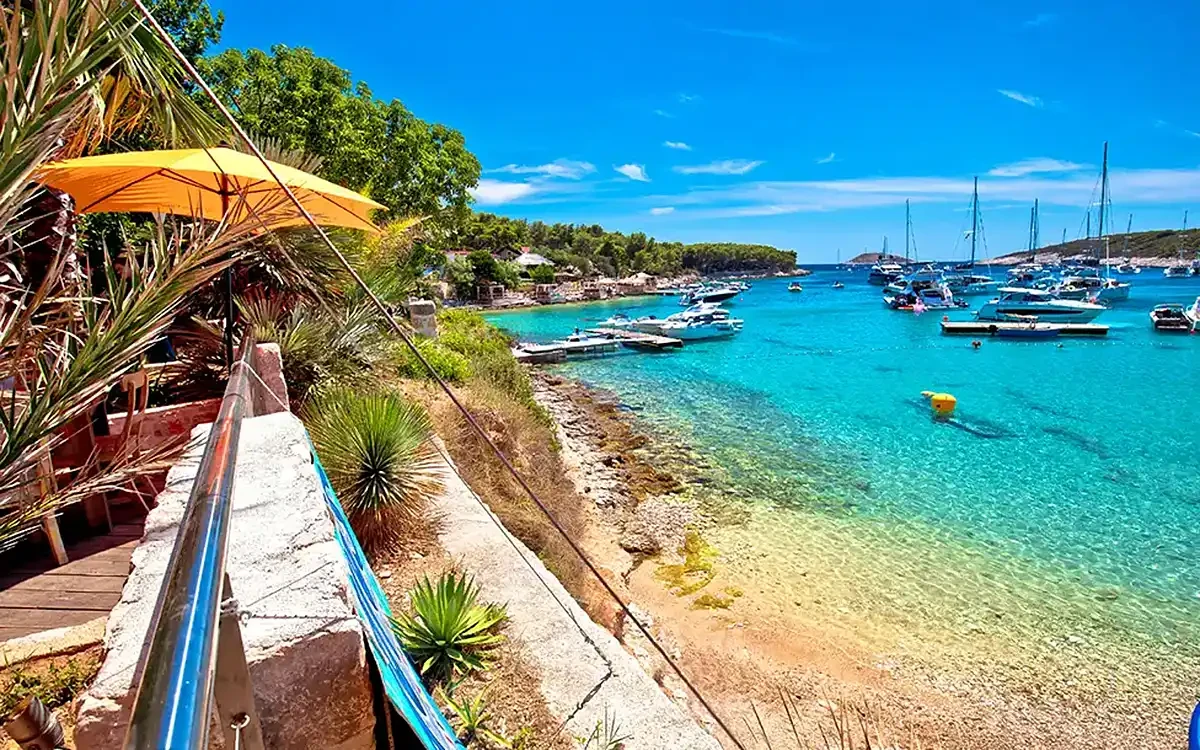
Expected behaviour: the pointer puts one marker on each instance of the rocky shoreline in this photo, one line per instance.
(745, 653)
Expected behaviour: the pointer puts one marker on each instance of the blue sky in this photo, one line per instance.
(803, 125)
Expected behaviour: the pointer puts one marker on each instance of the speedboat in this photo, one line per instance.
(1029, 275)
(884, 273)
(1172, 318)
(1014, 301)
(925, 298)
(716, 294)
(838, 285)
(703, 321)
(926, 277)
(620, 320)
(1177, 272)
(795, 287)
(1128, 268)
(1111, 291)
(969, 285)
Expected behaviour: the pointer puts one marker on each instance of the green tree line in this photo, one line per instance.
(593, 249)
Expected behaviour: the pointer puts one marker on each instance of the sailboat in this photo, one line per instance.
(968, 284)
(1179, 270)
(1128, 266)
(1086, 282)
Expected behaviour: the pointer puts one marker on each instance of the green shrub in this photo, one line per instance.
(449, 632)
(447, 363)
(376, 449)
(54, 684)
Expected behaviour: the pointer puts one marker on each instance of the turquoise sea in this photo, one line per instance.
(1056, 523)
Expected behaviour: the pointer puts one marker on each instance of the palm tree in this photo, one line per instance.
(71, 74)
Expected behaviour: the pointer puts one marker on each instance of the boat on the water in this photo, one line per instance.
(1171, 318)
(1177, 272)
(1033, 329)
(702, 321)
(838, 285)
(1015, 301)
(619, 321)
(795, 286)
(925, 298)
(883, 274)
(710, 295)
(971, 285)
(1128, 268)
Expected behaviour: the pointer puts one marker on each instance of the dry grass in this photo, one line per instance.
(524, 436)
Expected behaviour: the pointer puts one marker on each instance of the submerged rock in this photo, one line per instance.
(656, 525)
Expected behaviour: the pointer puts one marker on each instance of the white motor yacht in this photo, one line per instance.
(713, 295)
(701, 321)
(1015, 301)
(1177, 272)
(971, 285)
(883, 274)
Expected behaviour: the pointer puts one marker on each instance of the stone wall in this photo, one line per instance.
(304, 645)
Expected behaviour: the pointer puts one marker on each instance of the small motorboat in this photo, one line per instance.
(620, 320)
(838, 285)
(795, 286)
(1128, 268)
(883, 274)
(1177, 272)
(1171, 318)
(1031, 330)
(716, 295)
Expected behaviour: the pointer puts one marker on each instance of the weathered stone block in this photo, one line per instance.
(304, 645)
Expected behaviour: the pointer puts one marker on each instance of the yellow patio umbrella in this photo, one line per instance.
(203, 182)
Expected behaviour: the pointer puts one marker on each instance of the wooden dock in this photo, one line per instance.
(39, 596)
(637, 339)
(558, 351)
(997, 327)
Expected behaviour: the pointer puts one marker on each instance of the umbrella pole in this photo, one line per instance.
(228, 284)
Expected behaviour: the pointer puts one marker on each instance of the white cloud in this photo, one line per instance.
(728, 166)
(678, 145)
(566, 168)
(663, 113)
(826, 159)
(1017, 96)
(494, 192)
(1192, 132)
(685, 98)
(662, 210)
(1037, 165)
(1041, 19)
(1072, 190)
(633, 172)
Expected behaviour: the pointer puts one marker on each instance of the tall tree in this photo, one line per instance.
(308, 103)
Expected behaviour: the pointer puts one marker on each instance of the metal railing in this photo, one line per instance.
(195, 653)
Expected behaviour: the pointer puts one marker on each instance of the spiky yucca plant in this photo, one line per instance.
(375, 448)
(449, 632)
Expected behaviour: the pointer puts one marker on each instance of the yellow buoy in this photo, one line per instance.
(943, 404)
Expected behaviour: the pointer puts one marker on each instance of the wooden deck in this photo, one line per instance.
(40, 596)
(990, 328)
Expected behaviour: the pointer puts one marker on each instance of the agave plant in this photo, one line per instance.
(449, 631)
(375, 448)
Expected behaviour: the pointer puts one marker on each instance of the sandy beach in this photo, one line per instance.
(750, 641)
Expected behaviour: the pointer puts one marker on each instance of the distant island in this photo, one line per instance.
(873, 258)
(1153, 247)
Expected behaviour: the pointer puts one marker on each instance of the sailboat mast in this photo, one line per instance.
(907, 228)
(1037, 224)
(1128, 227)
(1103, 192)
(974, 219)
(1029, 239)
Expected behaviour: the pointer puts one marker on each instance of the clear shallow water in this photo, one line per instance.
(1062, 524)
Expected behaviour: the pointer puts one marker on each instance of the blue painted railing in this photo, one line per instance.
(400, 680)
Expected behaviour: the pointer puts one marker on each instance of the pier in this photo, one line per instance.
(996, 327)
(604, 340)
